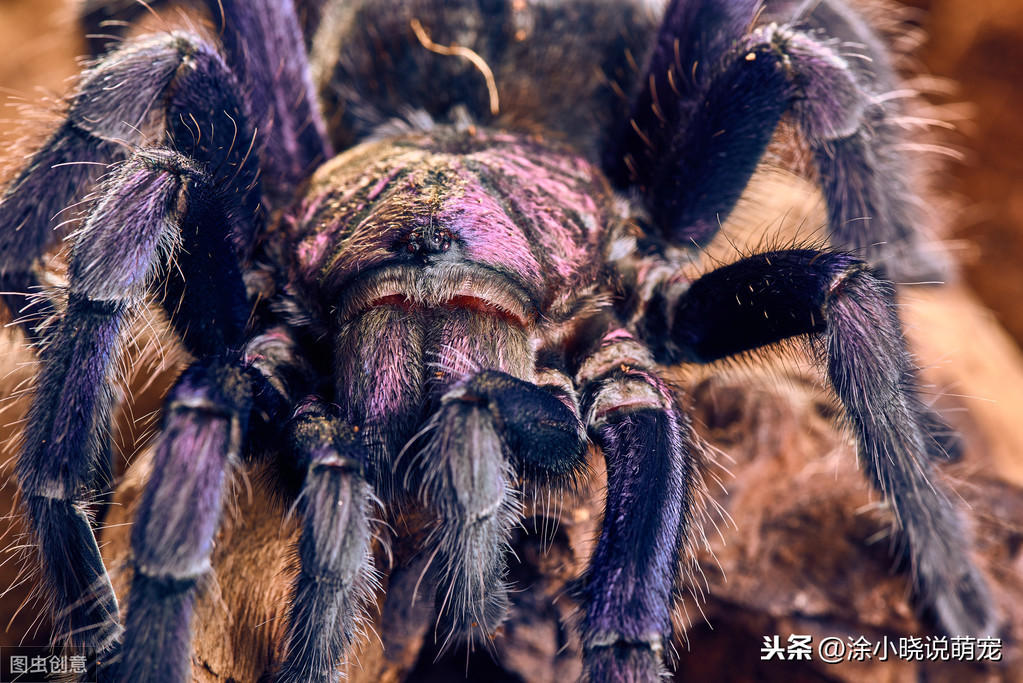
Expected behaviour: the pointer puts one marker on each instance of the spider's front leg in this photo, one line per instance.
(710, 101)
(157, 209)
(235, 110)
(209, 424)
(174, 528)
(66, 432)
(96, 132)
(765, 298)
(629, 590)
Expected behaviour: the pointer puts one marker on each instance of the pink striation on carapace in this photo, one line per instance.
(516, 208)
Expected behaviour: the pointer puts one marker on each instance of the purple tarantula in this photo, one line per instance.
(428, 253)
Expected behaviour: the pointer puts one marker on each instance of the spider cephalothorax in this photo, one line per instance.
(452, 310)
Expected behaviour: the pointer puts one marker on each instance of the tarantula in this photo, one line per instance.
(432, 261)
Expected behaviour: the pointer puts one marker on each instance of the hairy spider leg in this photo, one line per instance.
(109, 277)
(178, 516)
(112, 112)
(628, 592)
(336, 579)
(768, 297)
(159, 213)
(710, 102)
(212, 416)
(107, 117)
(853, 308)
(206, 427)
(263, 44)
(849, 110)
(685, 94)
(65, 437)
(265, 48)
(104, 23)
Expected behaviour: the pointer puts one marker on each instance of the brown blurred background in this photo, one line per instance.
(975, 49)
(979, 46)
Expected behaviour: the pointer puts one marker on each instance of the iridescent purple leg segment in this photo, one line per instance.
(701, 98)
(849, 114)
(155, 208)
(70, 413)
(178, 516)
(629, 590)
(264, 46)
(265, 49)
(61, 457)
(98, 130)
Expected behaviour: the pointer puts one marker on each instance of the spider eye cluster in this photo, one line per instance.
(425, 241)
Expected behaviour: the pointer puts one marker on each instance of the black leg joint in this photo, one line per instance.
(755, 302)
(543, 433)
